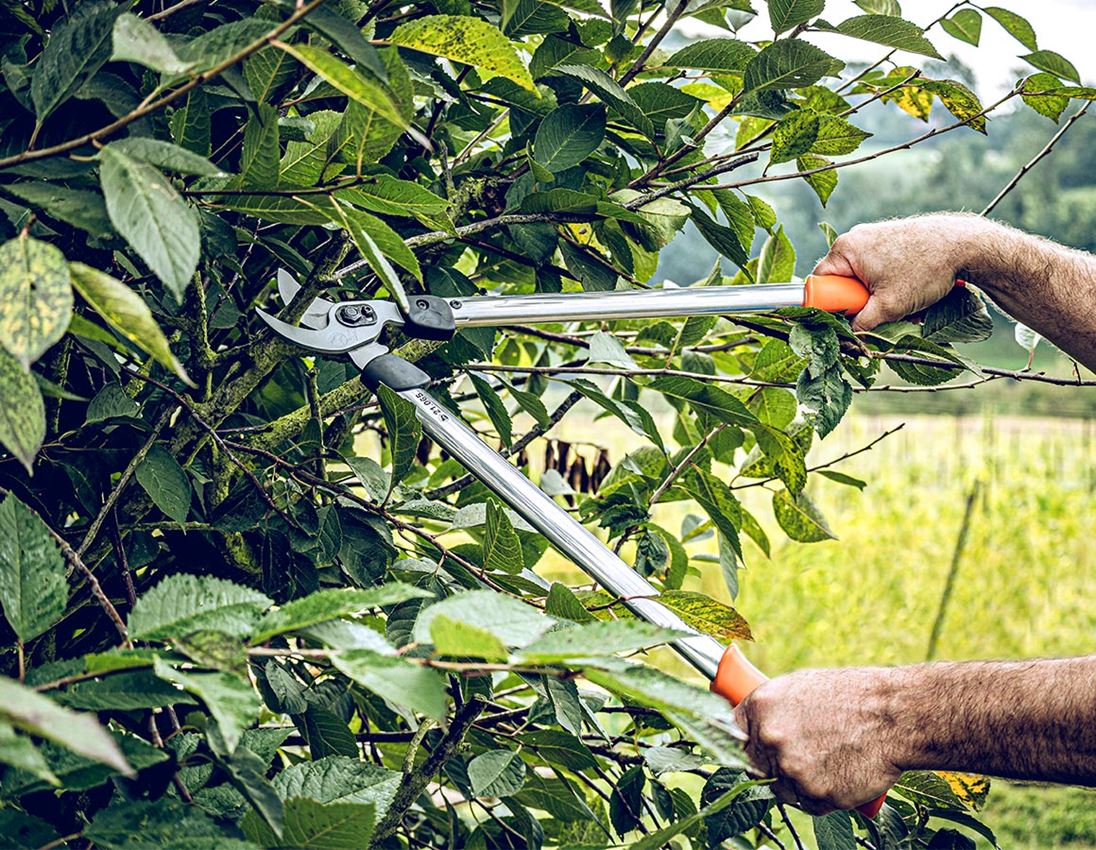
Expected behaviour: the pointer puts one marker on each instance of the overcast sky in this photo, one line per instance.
(1067, 26)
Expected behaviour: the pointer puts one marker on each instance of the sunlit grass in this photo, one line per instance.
(1026, 583)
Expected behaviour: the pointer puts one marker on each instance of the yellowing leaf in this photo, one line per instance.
(353, 84)
(971, 788)
(465, 39)
(22, 412)
(35, 297)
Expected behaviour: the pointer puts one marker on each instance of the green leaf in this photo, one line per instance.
(600, 638)
(79, 772)
(190, 123)
(125, 691)
(920, 373)
(713, 54)
(1049, 105)
(880, 7)
(705, 397)
(799, 517)
(842, 478)
(157, 223)
(1053, 63)
(696, 711)
(610, 92)
(501, 547)
(568, 135)
(794, 136)
(397, 680)
(165, 823)
(559, 748)
(776, 263)
(745, 813)
(886, 30)
(786, 14)
(35, 297)
(1014, 25)
(834, 831)
(165, 482)
(555, 796)
(230, 699)
(78, 47)
(309, 825)
(826, 395)
(365, 135)
(345, 79)
(339, 779)
(496, 773)
(823, 182)
(338, 29)
(455, 639)
(182, 604)
(330, 604)
(661, 837)
(706, 615)
(390, 196)
(136, 40)
(18, 751)
(726, 240)
(167, 156)
(965, 25)
(837, 136)
(126, 312)
(787, 64)
(496, 410)
(404, 431)
(33, 589)
(563, 604)
(512, 622)
(460, 38)
(817, 344)
(960, 316)
(79, 733)
(82, 208)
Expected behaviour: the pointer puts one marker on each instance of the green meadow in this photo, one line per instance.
(1025, 583)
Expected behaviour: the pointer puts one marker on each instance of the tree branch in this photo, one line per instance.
(415, 783)
(152, 106)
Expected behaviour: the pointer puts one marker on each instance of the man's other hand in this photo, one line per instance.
(907, 264)
(826, 736)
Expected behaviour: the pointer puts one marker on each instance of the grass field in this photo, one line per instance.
(1026, 582)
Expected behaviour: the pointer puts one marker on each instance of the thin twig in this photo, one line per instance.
(1047, 148)
(146, 108)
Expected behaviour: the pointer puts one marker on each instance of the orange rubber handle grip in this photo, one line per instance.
(834, 293)
(736, 678)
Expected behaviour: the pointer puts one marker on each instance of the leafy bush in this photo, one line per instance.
(230, 623)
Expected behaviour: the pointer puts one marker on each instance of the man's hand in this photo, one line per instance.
(840, 738)
(907, 264)
(911, 263)
(824, 735)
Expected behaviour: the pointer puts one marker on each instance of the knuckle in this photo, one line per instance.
(772, 736)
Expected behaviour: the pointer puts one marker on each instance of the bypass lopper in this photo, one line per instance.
(357, 328)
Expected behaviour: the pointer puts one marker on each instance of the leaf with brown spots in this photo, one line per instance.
(35, 297)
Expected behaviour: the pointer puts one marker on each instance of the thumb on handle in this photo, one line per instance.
(736, 678)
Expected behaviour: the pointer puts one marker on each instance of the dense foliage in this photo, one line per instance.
(245, 603)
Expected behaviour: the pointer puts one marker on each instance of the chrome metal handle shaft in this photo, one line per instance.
(563, 531)
(632, 304)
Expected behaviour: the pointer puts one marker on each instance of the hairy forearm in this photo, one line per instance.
(1025, 720)
(1048, 287)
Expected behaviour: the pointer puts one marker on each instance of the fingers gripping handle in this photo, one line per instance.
(737, 678)
(834, 293)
